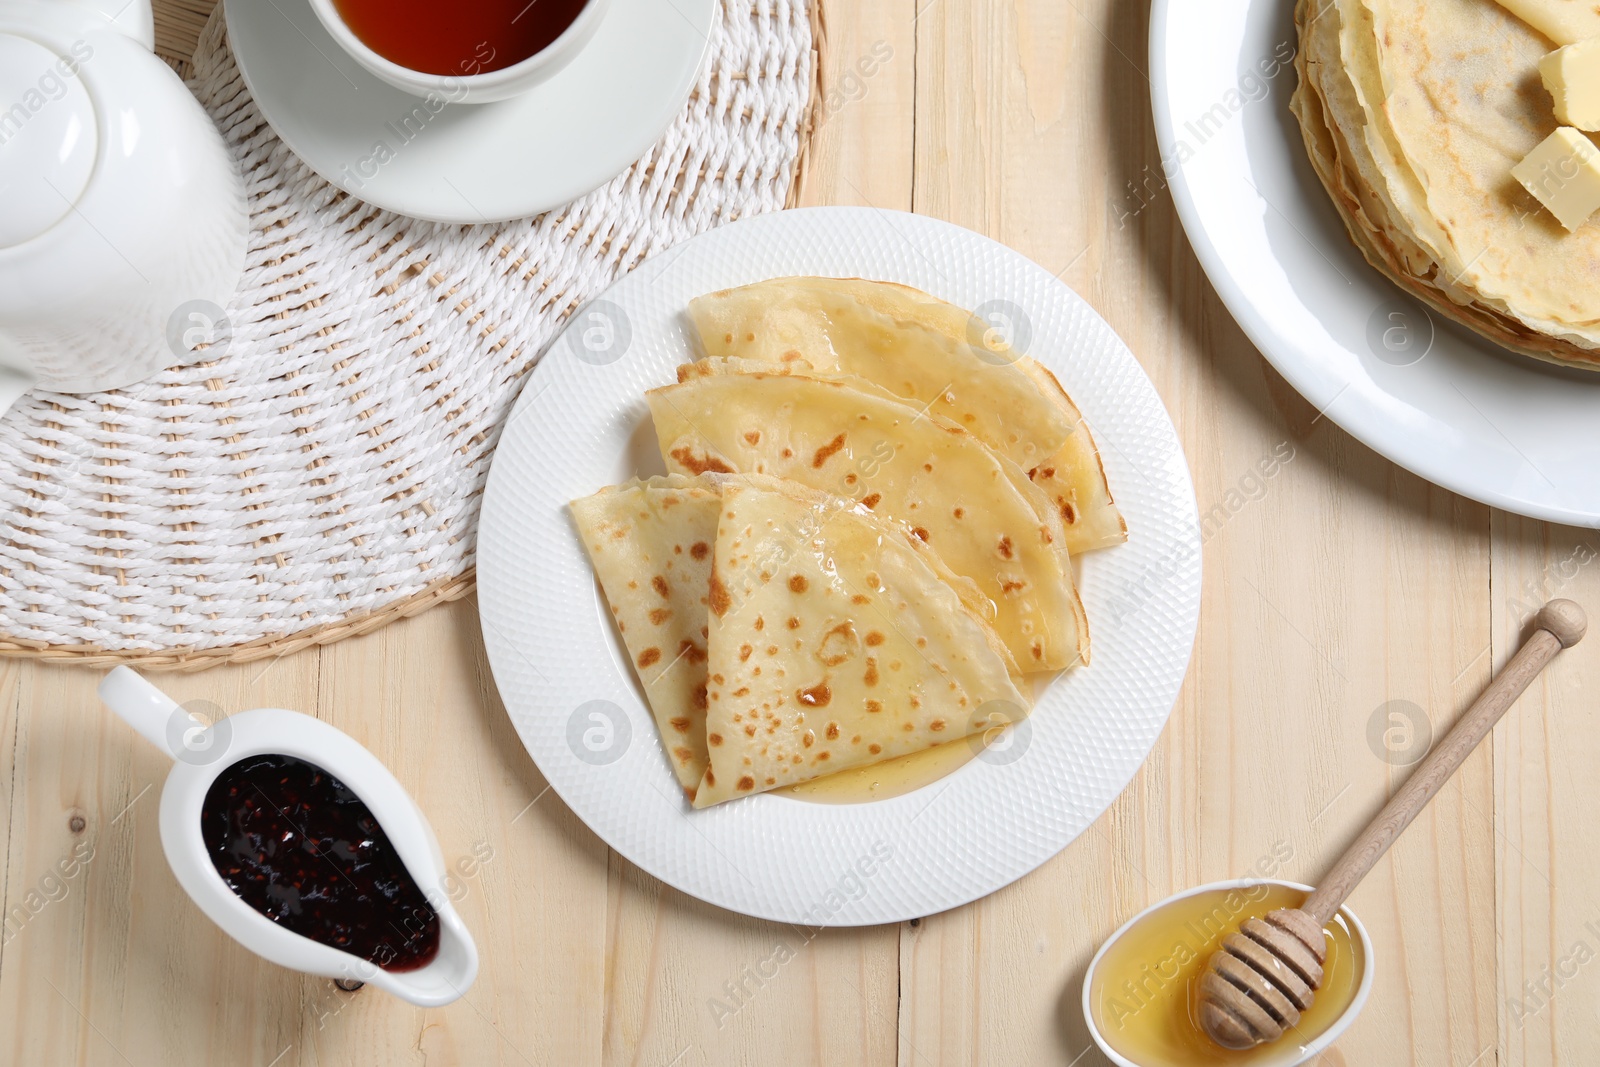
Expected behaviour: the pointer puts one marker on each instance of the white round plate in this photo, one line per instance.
(471, 163)
(582, 424)
(1430, 395)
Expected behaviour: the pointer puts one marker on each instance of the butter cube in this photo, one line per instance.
(1563, 173)
(1563, 21)
(1572, 74)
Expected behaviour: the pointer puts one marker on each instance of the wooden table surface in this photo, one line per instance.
(1342, 595)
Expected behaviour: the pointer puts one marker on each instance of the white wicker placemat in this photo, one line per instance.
(321, 476)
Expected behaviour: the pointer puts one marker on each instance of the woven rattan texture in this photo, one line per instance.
(321, 475)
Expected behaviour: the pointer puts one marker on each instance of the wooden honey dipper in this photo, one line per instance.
(1262, 978)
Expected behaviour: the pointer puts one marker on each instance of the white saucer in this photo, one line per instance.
(472, 163)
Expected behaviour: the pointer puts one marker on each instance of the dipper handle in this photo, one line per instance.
(1559, 624)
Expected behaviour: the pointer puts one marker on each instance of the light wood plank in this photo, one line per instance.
(1546, 752)
(862, 134)
(1028, 116)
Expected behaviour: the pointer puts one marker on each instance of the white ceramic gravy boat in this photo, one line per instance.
(203, 752)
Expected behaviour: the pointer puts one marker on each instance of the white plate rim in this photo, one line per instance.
(803, 857)
(1357, 407)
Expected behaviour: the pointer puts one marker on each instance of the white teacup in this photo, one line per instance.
(468, 88)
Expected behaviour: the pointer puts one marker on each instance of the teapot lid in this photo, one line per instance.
(48, 138)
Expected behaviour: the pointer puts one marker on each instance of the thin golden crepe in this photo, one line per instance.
(924, 350)
(651, 543)
(837, 640)
(1414, 113)
(975, 508)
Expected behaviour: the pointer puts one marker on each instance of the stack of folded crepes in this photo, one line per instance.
(865, 541)
(1414, 113)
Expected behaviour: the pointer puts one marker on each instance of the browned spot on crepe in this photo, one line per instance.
(828, 451)
(816, 696)
(700, 464)
(719, 601)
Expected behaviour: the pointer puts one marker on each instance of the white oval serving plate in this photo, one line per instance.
(1432, 396)
(582, 423)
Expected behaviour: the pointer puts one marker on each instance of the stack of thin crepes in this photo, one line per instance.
(1414, 113)
(864, 542)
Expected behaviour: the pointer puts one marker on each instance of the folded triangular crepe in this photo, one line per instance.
(976, 509)
(837, 640)
(651, 543)
(933, 354)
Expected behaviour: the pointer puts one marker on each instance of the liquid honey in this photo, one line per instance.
(1145, 990)
(886, 780)
(905, 774)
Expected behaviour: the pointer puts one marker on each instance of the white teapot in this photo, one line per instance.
(122, 214)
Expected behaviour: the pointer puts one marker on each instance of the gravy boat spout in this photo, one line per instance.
(203, 752)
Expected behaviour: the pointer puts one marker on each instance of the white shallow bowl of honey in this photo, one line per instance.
(1139, 996)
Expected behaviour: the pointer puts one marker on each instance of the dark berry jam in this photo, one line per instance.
(302, 849)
